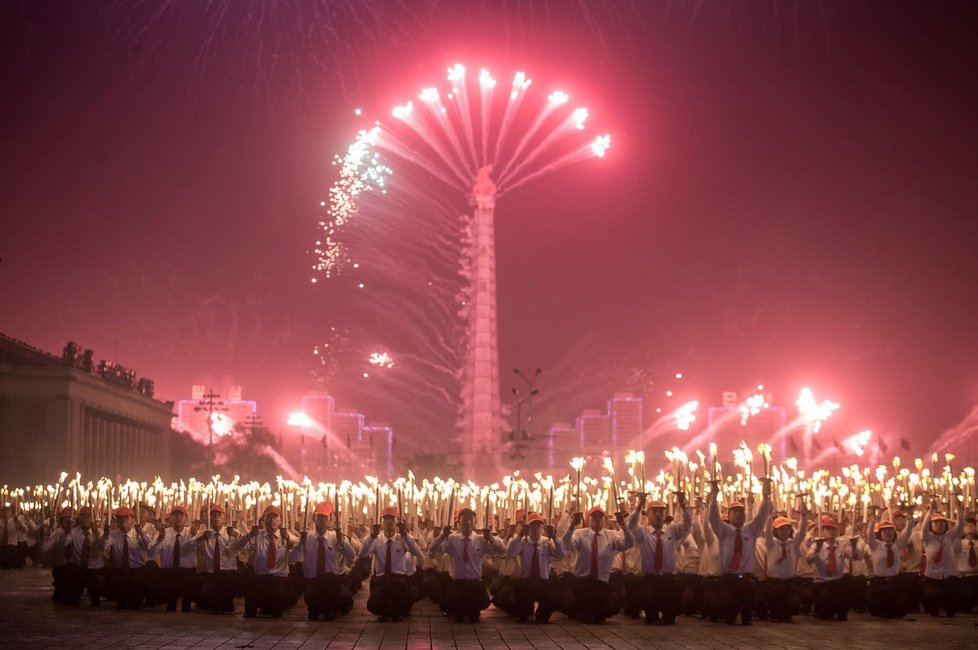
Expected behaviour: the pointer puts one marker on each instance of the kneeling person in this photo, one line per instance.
(533, 586)
(325, 592)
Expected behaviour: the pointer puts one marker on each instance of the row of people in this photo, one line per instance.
(718, 566)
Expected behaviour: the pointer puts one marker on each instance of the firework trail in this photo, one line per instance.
(392, 236)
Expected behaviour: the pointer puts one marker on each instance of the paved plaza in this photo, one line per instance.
(29, 619)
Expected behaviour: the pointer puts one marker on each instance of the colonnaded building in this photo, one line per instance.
(71, 413)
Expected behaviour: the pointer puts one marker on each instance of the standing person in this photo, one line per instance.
(466, 595)
(13, 539)
(267, 588)
(389, 544)
(886, 596)
(177, 551)
(219, 580)
(737, 546)
(941, 561)
(592, 599)
(126, 546)
(828, 557)
(533, 585)
(85, 549)
(325, 592)
(782, 545)
(661, 592)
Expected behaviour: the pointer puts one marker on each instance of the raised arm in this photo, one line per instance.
(871, 540)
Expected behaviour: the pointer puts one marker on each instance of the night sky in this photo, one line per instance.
(789, 199)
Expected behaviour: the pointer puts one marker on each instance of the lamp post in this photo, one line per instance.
(529, 387)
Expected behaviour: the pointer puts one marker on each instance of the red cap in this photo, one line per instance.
(66, 512)
(656, 505)
(216, 507)
(780, 521)
(84, 510)
(828, 522)
(179, 509)
(390, 511)
(122, 512)
(883, 524)
(937, 517)
(325, 508)
(271, 510)
(535, 517)
(596, 510)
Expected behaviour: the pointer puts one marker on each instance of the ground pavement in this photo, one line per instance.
(28, 619)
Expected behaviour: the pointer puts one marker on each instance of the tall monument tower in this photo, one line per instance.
(481, 413)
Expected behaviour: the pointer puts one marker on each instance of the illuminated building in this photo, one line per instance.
(625, 412)
(334, 438)
(73, 413)
(192, 414)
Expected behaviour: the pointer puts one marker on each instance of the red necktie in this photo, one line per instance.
(535, 564)
(784, 552)
(86, 551)
(321, 559)
(972, 558)
(939, 556)
(125, 552)
(387, 557)
(176, 552)
(594, 555)
(465, 550)
(833, 563)
(270, 564)
(657, 562)
(217, 553)
(889, 556)
(738, 553)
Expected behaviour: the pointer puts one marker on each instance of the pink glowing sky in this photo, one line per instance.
(787, 201)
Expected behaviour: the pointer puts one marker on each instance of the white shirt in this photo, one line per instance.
(878, 551)
(964, 562)
(260, 548)
(781, 557)
(401, 547)
(75, 540)
(647, 538)
(308, 553)
(478, 547)
(727, 538)
(609, 541)
(228, 558)
(136, 545)
(524, 548)
(820, 558)
(164, 546)
(944, 546)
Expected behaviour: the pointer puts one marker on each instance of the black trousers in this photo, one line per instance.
(912, 586)
(502, 591)
(528, 591)
(390, 596)
(594, 601)
(939, 594)
(80, 580)
(857, 591)
(780, 598)
(692, 600)
(217, 590)
(11, 557)
(737, 594)
(628, 588)
(327, 595)
(660, 595)
(831, 600)
(465, 598)
(268, 593)
(967, 593)
(128, 586)
(886, 598)
(179, 584)
(60, 576)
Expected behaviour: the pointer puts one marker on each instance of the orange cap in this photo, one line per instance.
(324, 508)
(780, 521)
(535, 517)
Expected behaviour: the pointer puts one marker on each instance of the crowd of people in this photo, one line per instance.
(733, 563)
